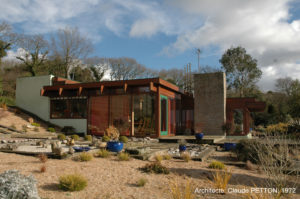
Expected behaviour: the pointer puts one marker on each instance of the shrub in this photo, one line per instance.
(123, 156)
(167, 157)
(103, 153)
(186, 157)
(277, 128)
(84, 157)
(24, 128)
(73, 182)
(221, 179)
(123, 139)
(51, 129)
(181, 193)
(35, 124)
(61, 136)
(105, 138)
(155, 167)
(158, 157)
(141, 182)
(216, 165)
(17, 186)
(75, 137)
(43, 169)
(245, 150)
(88, 138)
(43, 157)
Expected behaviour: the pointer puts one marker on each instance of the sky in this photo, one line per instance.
(166, 33)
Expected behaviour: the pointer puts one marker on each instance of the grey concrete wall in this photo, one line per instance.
(28, 97)
(210, 103)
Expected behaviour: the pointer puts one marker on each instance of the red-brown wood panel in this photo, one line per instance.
(99, 115)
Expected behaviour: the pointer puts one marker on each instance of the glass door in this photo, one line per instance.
(164, 115)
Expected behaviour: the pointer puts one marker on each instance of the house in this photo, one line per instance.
(142, 107)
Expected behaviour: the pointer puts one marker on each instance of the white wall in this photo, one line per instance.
(28, 97)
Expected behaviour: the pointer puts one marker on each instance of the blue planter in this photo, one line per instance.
(229, 146)
(81, 149)
(182, 147)
(114, 146)
(199, 136)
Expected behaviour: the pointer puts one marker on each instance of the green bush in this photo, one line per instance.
(88, 138)
(123, 156)
(35, 124)
(73, 182)
(75, 137)
(102, 153)
(141, 182)
(155, 167)
(84, 157)
(216, 165)
(61, 136)
(105, 138)
(123, 139)
(51, 129)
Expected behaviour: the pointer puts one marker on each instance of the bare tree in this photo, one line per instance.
(284, 85)
(275, 158)
(125, 68)
(36, 50)
(7, 38)
(69, 44)
(98, 67)
(174, 75)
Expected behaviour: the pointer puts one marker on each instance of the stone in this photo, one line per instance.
(64, 141)
(71, 150)
(3, 141)
(102, 145)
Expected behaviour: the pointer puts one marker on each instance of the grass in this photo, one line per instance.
(158, 157)
(167, 157)
(141, 182)
(123, 156)
(102, 153)
(221, 179)
(216, 165)
(105, 138)
(186, 157)
(84, 157)
(43, 158)
(88, 138)
(72, 182)
(61, 136)
(155, 167)
(75, 137)
(123, 139)
(178, 192)
(51, 129)
(35, 124)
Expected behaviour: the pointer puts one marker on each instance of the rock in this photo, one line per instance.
(71, 150)
(64, 141)
(3, 141)
(102, 145)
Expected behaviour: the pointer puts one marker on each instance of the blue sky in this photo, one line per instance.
(165, 33)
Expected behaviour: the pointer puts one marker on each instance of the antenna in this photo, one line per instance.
(198, 52)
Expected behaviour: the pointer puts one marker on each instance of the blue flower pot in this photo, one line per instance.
(199, 136)
(182, 148)
(229, 146)
(114, 146)
(81, 149)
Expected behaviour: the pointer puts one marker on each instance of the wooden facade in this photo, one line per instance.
(143, 107)
(240, 109)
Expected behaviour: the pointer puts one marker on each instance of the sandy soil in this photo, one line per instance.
(109, 178)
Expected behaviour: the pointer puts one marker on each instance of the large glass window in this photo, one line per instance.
(68, 108)
(144, 115)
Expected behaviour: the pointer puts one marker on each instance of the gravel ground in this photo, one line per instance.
(109, 178)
